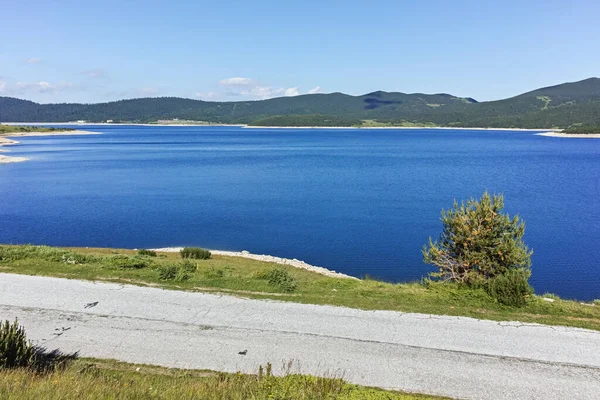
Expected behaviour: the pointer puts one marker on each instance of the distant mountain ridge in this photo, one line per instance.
(559, 106)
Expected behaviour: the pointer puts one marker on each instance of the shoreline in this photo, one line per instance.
(6, 141)
(402, 127)
(110, 124)
(267, 258)
(570, 135)
(282, 127)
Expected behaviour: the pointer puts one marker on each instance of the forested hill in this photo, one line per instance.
(562, 106)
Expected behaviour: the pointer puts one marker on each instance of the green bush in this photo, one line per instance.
(15, 253)
(145, 252)
(195, 253)
(77, 258)
(189, 266)
(478, 242)
(213, 272)
(167, 272)
(281, 278)
(173, 272)
(126, 262)
(15, 350)
(511, 288)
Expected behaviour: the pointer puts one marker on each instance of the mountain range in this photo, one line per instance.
(561, 106)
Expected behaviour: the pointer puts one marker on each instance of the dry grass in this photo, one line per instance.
(107, 379)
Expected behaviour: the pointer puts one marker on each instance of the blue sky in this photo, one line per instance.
(83, 51)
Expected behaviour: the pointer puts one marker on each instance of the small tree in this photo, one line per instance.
(478, 243)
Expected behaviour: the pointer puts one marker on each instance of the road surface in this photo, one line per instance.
(452, 356)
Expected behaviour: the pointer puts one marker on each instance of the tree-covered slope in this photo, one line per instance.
(555, 106)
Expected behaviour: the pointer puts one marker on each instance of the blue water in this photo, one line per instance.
(356, 201)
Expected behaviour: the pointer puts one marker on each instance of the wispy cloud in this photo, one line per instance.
(291, 92)
(40, 87)
(315, 90)
(208, 95)
(237, 81)
(94, 72)
(33, 60)
(2, 86)
(247, 88)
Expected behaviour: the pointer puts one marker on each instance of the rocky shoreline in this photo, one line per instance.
(5, 141)
(267, 258)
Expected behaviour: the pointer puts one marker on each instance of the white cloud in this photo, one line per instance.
(94, 73)
(266, 92)
(33, 60)
(236, 81)
(292, 91)
(41, 87)
(207, 95)
(2, 86)
(247, 88)
(315, 90)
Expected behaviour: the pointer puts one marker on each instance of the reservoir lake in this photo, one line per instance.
(358, 201)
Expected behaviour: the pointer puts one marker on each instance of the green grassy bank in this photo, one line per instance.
(7, 129)
(263, 280)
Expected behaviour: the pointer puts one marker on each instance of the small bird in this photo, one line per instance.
(243, 353)
(90, 305)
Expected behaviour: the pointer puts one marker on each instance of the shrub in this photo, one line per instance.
(76, 258)
(167, 272)
(195, 253)
(189, 266)
(214, 273)
(478, 242)
(125, 262)
(281, 278)
(145, 252)
(511, 288)
(178, 273)
(15, 350)
(15, 253)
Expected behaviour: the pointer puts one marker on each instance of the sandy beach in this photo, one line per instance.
(570, 135)
(281, 127)
(5, 141)
(397, 127)
(262, 257)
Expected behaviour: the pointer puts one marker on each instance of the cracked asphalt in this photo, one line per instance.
(452, 356)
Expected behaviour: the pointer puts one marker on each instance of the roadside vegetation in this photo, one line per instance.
(70, 378)
(264, 280)
(6, 129)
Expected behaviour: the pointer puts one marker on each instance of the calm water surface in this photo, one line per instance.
(357, 201)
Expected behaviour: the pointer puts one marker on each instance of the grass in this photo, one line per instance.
(6, 129)
(255, 279)
(107, 379)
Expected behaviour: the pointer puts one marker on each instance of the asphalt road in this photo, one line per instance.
(452, 356)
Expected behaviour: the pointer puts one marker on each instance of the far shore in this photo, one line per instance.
(570, 135)
(112, 124)
(5, 141)
(400, 127)
(282, 127)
